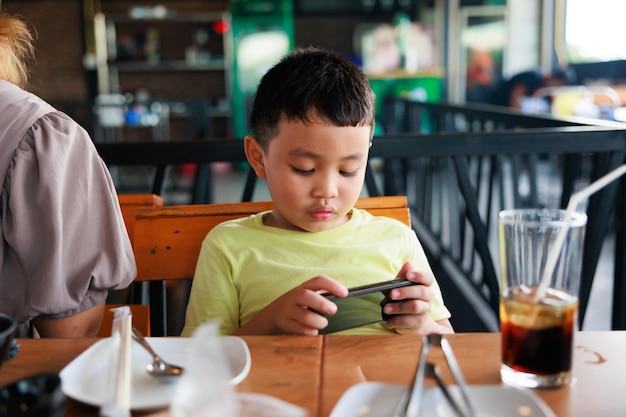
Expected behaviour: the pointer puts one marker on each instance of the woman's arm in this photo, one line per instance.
(83, 324)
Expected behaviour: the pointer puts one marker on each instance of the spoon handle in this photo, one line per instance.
(143, 342)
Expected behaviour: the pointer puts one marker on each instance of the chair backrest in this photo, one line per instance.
(128, 204)
(140, 312)
(167, 240)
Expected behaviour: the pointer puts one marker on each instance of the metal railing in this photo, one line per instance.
(479, 160)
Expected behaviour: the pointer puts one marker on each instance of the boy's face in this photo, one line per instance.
(314, 172)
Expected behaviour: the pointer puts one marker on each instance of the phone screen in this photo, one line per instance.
(362, 305)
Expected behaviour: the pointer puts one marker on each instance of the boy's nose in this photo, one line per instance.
(325, 187)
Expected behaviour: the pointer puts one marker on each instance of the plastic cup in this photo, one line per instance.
(538, 332)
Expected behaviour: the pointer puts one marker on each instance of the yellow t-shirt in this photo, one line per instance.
(244, 265)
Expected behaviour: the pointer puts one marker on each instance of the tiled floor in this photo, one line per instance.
(598, 316)
(229, 183)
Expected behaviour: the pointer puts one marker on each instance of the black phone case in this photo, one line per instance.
(384, 287)
(357, 319)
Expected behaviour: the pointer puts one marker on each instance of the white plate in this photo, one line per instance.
(376, 399)
(85, 377)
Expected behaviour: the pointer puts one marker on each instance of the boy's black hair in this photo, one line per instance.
(311, 81)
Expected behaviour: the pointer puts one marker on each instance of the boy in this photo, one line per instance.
(313, 120)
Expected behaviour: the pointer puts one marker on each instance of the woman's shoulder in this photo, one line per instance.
(54, 136)
(20, 104)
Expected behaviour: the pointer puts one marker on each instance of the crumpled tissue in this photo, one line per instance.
(204, 389)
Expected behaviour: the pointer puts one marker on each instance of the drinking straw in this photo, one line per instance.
(574, 200)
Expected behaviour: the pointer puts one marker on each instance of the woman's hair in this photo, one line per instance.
(311, 82)
(16, 49)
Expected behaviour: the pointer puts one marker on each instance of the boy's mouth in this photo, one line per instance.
(322, 213)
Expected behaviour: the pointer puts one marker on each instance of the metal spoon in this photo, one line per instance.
(158, 368)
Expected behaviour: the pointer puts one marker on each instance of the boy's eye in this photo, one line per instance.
(311, 171)
(302, 171)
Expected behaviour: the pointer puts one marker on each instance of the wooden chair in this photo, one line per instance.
(140, 312)
(167, 241)
(128, 204)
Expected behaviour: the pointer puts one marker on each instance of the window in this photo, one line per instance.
(595, 32)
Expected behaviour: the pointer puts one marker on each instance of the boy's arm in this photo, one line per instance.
(213, 295)
(292, 312)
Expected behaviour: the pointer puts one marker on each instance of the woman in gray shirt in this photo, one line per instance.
(64, 243)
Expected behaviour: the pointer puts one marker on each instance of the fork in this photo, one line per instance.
(409, 405)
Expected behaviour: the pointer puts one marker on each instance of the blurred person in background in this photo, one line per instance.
(510, 92)
(479, 80)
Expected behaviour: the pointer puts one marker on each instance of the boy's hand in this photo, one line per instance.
(410, 306)
(292, 312)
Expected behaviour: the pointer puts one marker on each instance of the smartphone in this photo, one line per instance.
(363, 305)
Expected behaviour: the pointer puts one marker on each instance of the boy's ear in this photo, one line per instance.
(255, 155)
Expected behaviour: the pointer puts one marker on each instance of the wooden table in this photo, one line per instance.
(599, 366)
(313, 372)
(285, 367)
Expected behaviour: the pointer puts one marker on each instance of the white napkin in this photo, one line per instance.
(204, 389)
(261, 405)
(118, 403)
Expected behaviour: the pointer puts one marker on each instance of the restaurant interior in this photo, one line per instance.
(150, 74)
(187, 55)
(164, 89)
(140, 72)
